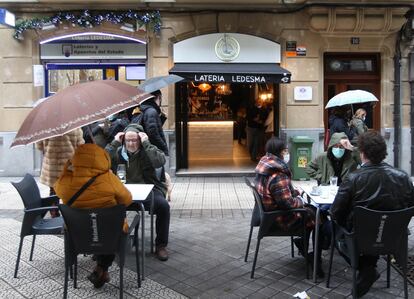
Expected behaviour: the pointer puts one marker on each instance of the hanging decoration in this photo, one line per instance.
(90, 19)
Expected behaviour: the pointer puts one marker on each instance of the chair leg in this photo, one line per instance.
(354, 282)
(18, 257)
(121, 281)
(388, 270)
(248, 243)
(142, 241)
(32, 249)
(404, 269)
(65, 285)
(152, 222)
(331, 256)
(255, 258)
(137, 256)
(75, 274)
(292, 250)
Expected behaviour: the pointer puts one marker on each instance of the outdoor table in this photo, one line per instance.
(140, 193)
(326, 197)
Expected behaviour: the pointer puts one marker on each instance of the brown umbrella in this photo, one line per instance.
(77, 106)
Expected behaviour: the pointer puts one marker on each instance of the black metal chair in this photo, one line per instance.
(374, 233)
(35, 208)
(267, 227)
(97, 231)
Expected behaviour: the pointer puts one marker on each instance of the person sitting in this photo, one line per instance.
(339, 160)
(90, 160)
(273, 183)
(132, 148)
(376, 185)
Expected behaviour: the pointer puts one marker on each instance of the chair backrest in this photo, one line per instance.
(380, 232)
(94, 231)
(29, 192)
(255, 221)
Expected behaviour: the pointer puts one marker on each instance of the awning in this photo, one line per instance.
(232, 72)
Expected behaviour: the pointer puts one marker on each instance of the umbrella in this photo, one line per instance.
(351, 97)
(156, 83)
(76, 106)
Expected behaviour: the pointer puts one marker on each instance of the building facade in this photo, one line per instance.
(326, 47)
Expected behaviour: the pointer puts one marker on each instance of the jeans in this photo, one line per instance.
(162, 212)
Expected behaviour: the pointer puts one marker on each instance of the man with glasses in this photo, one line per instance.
(339, 160)
(141, 158)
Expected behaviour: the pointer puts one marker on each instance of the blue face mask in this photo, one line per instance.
(338, 152)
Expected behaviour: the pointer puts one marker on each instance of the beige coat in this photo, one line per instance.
(56, 151)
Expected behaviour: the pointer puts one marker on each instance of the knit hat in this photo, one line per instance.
(134, 128)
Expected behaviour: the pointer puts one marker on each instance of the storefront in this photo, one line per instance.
(77, 58)
(225, 78)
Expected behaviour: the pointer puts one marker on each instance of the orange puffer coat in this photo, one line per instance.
(106, 191)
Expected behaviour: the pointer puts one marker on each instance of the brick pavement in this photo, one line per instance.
(208, 234)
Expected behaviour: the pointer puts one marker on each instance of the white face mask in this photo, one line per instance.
(286, 158)
(363, 118)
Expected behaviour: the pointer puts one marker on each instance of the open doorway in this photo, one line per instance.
(214, 122)
(350, 71)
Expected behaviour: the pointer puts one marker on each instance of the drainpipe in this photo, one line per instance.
(411, 78)
(397, 104)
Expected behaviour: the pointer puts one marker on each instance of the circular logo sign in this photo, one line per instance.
(227, 48)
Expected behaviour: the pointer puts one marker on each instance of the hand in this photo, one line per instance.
(346, 144)
(300, 190)
(119, 136)
(143, 136)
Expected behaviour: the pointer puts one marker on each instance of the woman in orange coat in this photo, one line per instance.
(107, 190)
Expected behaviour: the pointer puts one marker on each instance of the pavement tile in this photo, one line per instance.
(210, 220)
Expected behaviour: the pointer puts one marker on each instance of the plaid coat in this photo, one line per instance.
(273, 183)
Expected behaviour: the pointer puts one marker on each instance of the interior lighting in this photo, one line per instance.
(204, 87)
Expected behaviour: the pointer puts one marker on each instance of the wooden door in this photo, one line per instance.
(359, 71)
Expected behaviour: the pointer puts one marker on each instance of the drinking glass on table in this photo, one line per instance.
(333, 181)
(121, 172)
(334, 184)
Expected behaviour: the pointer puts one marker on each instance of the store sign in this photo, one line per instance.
(229, 78)
(93, 51)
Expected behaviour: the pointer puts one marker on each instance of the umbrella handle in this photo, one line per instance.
(90, 134)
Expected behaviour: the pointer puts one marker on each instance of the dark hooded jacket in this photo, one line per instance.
(141, 165)
(339, 124)
(273, 183)
(152, 124)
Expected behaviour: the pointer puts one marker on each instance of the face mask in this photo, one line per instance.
(363, 118)
(286, 158)
(338, 152)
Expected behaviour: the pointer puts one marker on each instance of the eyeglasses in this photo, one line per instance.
(131, 140)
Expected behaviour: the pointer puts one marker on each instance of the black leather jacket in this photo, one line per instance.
(378, 187)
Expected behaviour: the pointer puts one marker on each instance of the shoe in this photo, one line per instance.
(366, 279)
(319, 271)
(161, 253)
(99, 277)
(299, 245)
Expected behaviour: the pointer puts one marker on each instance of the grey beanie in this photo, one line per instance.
(134, 128)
